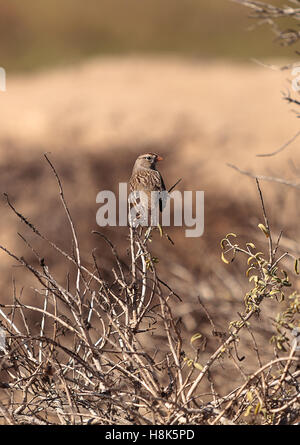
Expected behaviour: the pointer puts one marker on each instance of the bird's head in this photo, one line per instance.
(147, 160)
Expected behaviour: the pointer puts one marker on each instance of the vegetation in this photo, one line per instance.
(41, 34)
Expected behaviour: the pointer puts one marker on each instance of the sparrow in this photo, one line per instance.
(145, 178)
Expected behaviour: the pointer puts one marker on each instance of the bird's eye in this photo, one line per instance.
(148, 158)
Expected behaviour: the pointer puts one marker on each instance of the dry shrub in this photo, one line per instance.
(110, 350)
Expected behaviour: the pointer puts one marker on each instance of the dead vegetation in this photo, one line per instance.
(112, 351)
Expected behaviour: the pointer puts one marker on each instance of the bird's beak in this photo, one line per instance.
(159, 158)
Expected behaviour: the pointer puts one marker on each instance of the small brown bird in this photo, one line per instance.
(145, 178)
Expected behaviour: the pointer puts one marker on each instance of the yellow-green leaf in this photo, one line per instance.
(222, 243)
(248, 270)
(253, 277)
(198, 366)
(188, 361)
(250, 259)
(257, 408)
(258, 254)
(264, 229)
(224, 259)
(249, 396)
(248, 411)
(196, 337)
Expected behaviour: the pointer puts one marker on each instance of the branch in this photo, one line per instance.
(265, 178)
(281, 148)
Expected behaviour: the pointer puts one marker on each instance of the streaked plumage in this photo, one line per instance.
(147, 179)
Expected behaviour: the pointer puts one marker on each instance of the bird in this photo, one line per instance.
(146, 178)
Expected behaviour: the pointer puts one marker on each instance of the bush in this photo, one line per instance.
(92, 361)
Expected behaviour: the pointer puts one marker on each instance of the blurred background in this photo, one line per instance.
(97, 83)
(38, 35)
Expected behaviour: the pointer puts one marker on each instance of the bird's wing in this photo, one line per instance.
(148, 181)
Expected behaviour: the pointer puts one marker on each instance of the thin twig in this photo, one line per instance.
(280, 149)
